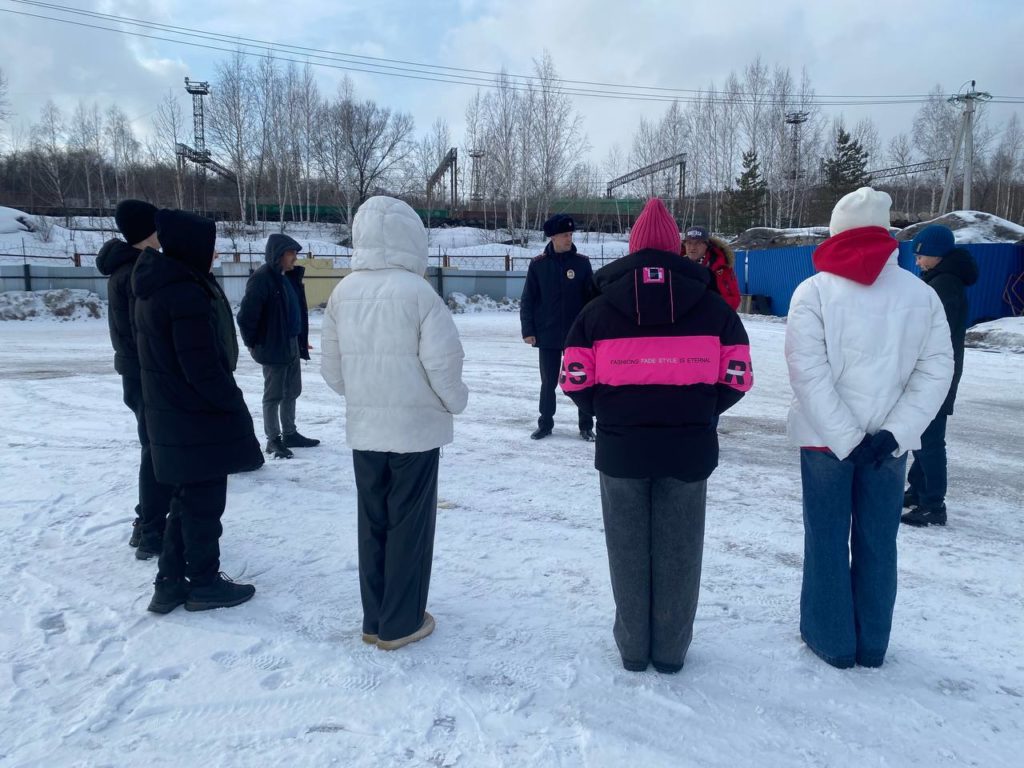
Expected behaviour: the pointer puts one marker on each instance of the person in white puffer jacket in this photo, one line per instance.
(390, 347)
(870, 363)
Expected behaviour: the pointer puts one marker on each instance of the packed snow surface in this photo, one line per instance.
(522, 669)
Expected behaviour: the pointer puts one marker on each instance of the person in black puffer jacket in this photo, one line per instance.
(657, 357)
(950, 271)
(274, 323)
(199, 426)
(559, 282)
(136, 220)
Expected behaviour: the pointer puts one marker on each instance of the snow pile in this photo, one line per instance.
(12, 220)
(1007, 333)
(759, 238)
(460, 304)
(972, 227)
(63, 304)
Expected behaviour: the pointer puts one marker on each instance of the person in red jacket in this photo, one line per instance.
(714, 254)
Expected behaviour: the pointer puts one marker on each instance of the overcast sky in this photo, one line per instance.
(870, 47)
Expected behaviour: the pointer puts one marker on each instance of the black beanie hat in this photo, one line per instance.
(136, 219)
(558, 224)
(187, 237)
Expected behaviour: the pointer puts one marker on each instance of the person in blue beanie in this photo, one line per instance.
(949, 271)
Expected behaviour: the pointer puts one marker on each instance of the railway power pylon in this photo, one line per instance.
(969, 100)
(449, 164)
(676, 161)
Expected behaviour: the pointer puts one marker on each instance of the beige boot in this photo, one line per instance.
(370, 639)
(425, 629)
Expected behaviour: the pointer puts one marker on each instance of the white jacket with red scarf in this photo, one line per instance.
(867, 348)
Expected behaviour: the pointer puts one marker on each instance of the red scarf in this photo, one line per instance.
(856, 254)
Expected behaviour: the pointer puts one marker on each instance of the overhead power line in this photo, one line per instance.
(441, 73)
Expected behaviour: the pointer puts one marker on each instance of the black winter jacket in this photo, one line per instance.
(558, 286)
(116, 259)
(263, 314)
(295, 276)
(199, 425)
(656, 357)
(950, 278)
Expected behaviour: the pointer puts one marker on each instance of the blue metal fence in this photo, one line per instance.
(777, 272)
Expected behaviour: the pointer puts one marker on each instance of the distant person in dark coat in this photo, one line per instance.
(136, 221)
(559, 283)
(656, 357)
(199, 425)
(271, 318)
(950, 271)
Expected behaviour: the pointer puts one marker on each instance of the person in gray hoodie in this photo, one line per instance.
(271, 320)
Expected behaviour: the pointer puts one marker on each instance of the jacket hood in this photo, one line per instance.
(187, 238)
(958, 262)
(653, 287)
(719, 249)
(154, 270)
(277, 244)
(387, 234)
(857, 254)
(115, 254)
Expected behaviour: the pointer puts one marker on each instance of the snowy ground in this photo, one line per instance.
(522, 670)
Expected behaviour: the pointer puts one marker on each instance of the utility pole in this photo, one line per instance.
(965, 134)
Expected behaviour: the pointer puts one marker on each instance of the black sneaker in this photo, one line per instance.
(222, 592)
(277, 448)
(295, 440)
(168, 595)
(136, 537)
(920, 516)
(909, 499)
(540, 433)
(587, 435)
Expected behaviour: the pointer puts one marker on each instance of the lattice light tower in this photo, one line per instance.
(198, 90)
(475, 195)
(794, 120)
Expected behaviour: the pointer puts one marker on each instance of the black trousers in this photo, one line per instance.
(192, 537)
(397, 501)
(154, 496)
(550, 368)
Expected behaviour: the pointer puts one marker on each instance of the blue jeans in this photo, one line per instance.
(927, 475)
(851, 518)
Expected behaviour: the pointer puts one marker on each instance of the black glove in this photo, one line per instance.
(863, 454)
(882, 446)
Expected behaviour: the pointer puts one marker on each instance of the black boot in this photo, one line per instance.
(277, 448)
(168, 595)
(587, 435)
(540, 433)
(909, 498)
(148, 550)
(295, 440)
(222, 592)
(922, 516)
(136, 536)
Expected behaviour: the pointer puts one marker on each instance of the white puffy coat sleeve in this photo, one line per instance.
(928, 384)
(330, 350)
(441, 355)
(811, 377)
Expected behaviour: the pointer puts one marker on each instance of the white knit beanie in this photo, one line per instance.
(866, 207)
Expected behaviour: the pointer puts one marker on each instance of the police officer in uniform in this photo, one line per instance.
(559, 283)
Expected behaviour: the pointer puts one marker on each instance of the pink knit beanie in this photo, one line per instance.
(655, 228)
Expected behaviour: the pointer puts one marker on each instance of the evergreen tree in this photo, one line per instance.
(846, 169)
(746, 203)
